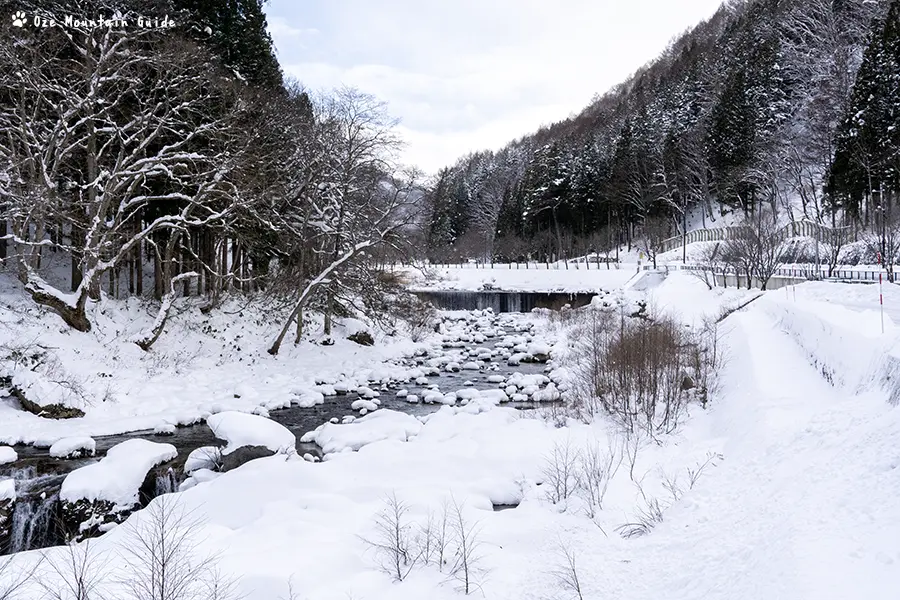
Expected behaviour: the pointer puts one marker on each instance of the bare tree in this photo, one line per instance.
(466, 567)
(15, 576)
(360, 201)
(94, 151)
(78, 574)
(393, 543)
(835, 239)
(884, 238)
(595, 470)
(654, 230)
(708, 260)
(163, 559)
(566, 574)
(759, 246)
(560, 471)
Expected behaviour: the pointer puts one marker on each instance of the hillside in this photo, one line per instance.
(756, 107)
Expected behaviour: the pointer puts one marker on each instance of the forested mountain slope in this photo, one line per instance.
(759, 106)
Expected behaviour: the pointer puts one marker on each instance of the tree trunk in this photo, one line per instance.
(149, 337)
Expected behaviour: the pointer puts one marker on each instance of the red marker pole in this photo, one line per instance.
(881, 302)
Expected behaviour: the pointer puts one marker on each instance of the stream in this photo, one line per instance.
(35, 522)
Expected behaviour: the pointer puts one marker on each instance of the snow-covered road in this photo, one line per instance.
(807, 501)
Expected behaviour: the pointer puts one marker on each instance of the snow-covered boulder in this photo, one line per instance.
(378, 426)
(7, 502)
(364, 405)
(103, 494)
(249, 437)
(73, 447)
(45, 397)
(240, 429)
(7, 489)
(540, 352)
(117, 476)
(205, 457)
(8, 455)
(164, 430)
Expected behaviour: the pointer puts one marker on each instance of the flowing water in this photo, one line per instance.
(35, 518)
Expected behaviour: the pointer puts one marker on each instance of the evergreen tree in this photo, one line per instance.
(867, 156)
(236, 31)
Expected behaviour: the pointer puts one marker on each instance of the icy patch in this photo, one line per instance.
(119, 475)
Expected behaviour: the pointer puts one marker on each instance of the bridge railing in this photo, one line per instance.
(801, 228)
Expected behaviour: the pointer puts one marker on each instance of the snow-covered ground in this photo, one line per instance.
(201, 365)
(537, 278)
(800, 496)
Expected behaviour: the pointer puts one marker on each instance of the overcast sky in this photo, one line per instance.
(470, 75)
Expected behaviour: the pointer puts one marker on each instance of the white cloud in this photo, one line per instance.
(475, 74)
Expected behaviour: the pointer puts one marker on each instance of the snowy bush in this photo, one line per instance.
(643, 371)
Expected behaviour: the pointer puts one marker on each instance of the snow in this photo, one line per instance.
(8, 455)
(537, 278)
(798, 498)
(118, 475)
(206, 457)
(240, 429)
(7, 490)
(68, 447)
(376, 427)
(200, 362)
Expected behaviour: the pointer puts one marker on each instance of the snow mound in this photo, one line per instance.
(73, 447)
(240, 429)
(376, 427)
(207, 457)
(8, 455)
(8, 490)
(119, 475)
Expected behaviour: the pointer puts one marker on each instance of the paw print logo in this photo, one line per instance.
(19, 18)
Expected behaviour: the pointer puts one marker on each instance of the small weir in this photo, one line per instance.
(503, 301)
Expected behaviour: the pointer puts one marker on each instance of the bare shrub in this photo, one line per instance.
(589, 351)
(76, 575)
(650, 510)
(631, 448)
(14, 577)
(709, 260)
(293, 594)
(641, 371)
(757, 247)
(649, 514)
(393, 541)
(566, 573)
(466, 568)
(162, 557)
(694, 473)
(596, 466)
(560, 472)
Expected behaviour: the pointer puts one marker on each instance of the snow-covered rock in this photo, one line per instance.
(117, 477)
(73, 447)
(206, 457)
(164, 429)
(8, 455)
(363, 405)
(381, 425)
(7, 490)
(240, 429)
